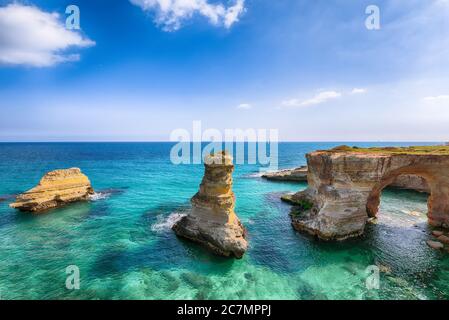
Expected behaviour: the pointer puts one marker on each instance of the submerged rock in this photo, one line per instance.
(435, 244)
(6, 197)
(55, 189)
(384, 268)
(212, 221)
(437, 233)
(444, 239)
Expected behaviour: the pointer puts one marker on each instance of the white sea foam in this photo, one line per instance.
(99, 196)
(165, 223)
(258, 174)
(255, 175)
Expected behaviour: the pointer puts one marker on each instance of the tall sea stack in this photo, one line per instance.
(212, 221)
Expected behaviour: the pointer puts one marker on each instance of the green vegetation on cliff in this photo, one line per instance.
(424, 150)
(300, 206)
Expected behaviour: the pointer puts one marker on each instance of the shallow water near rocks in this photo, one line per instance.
(123, 245)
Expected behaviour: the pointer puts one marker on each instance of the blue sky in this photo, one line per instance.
(140, 69)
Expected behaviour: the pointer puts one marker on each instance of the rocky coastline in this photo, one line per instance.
(344, 187)
(295, 175)
(406, 182)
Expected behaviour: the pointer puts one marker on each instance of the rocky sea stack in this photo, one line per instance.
(55, 189)
(212, 221)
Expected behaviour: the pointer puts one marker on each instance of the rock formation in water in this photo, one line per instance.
(409, 182)
(295, 175)
(435, 244)
(440, 240)
(55, 189)
(212, 221)
(345, 187)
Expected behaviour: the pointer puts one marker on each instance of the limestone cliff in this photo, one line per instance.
(408, 182)
(345, 186)
(55, 189)
(212, 221)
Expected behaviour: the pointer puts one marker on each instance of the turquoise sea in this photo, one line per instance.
(124, 248)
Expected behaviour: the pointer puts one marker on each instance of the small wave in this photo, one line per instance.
(99, 196)
(255, 175)
(259, 174)
(164, 223)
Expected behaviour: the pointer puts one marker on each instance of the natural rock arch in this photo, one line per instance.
(374, 198)
(345, 186)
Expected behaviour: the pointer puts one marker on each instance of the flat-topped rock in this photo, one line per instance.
(212, 221)
(345, 184)
(295, 175)
(55, 189)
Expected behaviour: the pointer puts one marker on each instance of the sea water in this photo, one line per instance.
(122, 243)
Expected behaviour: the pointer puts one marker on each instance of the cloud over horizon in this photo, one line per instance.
(170, 14)
(440, 98)
(32, 37)
(358, 91)
(317, 99)
(244, 106)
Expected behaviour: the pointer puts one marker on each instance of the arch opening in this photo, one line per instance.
(418, 182)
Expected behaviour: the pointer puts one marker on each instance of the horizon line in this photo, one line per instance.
(284, 141)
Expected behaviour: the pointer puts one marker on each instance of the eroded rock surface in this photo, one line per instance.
(345, 186)
(296, 175)
(212, 221)
(408, 182)
(411, 182)
(55, 189)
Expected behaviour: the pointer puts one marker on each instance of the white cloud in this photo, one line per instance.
(30, 36)
(233, 13)
(358, 91)
(171, 13)
(244, 106)
(441, 98)
(317, 99)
